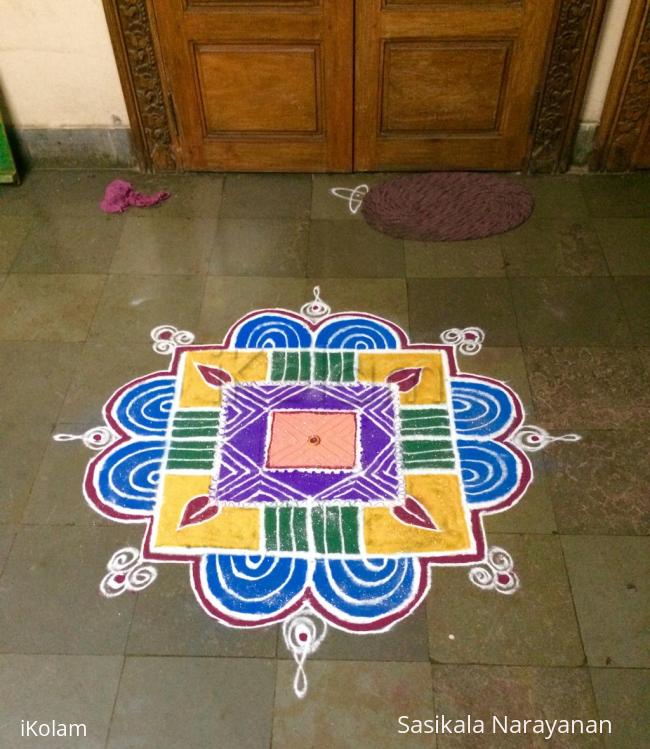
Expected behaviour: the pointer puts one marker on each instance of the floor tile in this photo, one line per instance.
(266, 196)
(535, 626)
(406, 641)
(68, 244)
(227, 298)
(21, 450)
(479, 257)
(35, 379)
(568, 312)
(351, 705)
(587, 388)
(617, 196)
(553, 247)
(324, 205)
(438, 304)
(48, 307)
(626, 244)
(385, 297)
(56, 496)
(192, 703)
(197, 195)
(346, 249)
(635, 296)
(132, 305)
(623, 697)
(600, 484)
(168, 620)
(164, 245)
(609, 579)
(7, 534)
(502, 363)
(518, 693)
(557, 197)
(103, 367)
(13, 232)
(53, 192)
(260, 247)
(50, 592)
(534, 511)
(64, 689)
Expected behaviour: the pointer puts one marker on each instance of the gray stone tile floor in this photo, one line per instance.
(565, 303)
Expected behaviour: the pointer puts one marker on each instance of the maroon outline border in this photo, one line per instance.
(308, 596)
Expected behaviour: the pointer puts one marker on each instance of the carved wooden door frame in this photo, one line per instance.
(626, 106)
(577, 24)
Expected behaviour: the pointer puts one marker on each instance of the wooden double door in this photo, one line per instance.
(343, 85)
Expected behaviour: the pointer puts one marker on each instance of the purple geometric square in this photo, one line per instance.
(240, 473)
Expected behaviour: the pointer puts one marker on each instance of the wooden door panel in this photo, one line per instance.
(261, 86)
(447, 86)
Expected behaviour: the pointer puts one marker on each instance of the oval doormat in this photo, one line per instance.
(447, 206)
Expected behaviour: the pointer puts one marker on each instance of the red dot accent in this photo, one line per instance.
(120, 578)
(503, 578)
(314, 440)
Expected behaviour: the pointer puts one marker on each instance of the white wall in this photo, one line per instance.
(601, 73)
(57, 67)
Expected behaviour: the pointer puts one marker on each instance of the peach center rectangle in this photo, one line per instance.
(309, 439)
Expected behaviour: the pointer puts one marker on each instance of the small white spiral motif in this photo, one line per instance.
(126, 572)
(96, 439)
(303, 633)
(166, 338)
(354, 196)
(317, 308)
(497, 573)
(532, 439)
(468, 341)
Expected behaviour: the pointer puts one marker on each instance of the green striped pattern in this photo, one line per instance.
(194, 435)
(334, 366)
(426, 439)
(335, 529)
(292, 366)
(286, 529)
(195, 423)
(424, 422)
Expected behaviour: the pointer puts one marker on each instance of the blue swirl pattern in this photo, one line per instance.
(145, 409)
(357, 334)
(128, 476)
(272, 331)
(254, 585)
(480, 409)
(366, 589)
(489, 471)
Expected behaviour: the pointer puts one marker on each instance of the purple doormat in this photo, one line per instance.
(444, 206)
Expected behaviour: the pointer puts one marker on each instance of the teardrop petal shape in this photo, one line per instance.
(198, 510)
(214, 376)
(405, 379)
(412, 513)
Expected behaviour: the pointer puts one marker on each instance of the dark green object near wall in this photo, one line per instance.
(7, 165)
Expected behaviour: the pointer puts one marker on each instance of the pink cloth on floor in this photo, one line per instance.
(120, 195)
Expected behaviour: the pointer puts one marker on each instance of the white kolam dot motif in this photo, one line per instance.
(303, 633)
(166, 338)
(468, 341)
(317, 308)
(532, 438)
(96, 439)
(497, 573)
(126, 572)
(354, 197)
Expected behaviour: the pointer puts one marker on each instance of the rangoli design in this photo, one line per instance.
(311, 470)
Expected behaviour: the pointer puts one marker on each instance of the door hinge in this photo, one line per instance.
(172, 112)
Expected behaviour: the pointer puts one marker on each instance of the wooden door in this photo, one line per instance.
(261, 85)
(447, 84)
